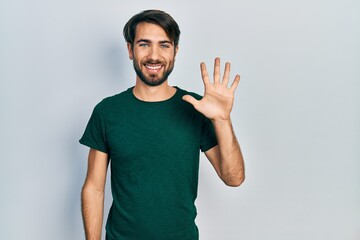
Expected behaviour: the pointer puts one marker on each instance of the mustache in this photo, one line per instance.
(154, 62)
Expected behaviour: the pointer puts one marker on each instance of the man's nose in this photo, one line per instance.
(154, 53)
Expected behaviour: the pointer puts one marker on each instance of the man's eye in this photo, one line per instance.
(143, 45)
(164, 45)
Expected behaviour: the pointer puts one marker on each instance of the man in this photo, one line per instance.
(152, 134)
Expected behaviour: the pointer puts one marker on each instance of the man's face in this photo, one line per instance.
(153, 54)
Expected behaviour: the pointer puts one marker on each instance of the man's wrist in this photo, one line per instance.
(221, 121)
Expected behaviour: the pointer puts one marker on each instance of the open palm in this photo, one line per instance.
(218, 97)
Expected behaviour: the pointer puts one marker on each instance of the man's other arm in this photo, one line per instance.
(92, 195)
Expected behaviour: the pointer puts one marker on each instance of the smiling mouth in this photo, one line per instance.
(153, 67)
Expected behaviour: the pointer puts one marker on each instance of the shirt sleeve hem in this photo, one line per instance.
(93, 146)
(209, 146)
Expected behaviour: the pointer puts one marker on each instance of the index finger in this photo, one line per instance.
(204, 73)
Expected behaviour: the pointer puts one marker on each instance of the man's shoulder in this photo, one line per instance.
(119, 98)
(111, 102)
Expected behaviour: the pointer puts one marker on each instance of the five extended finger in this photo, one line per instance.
(217, 74)
(235, 83)
(217, 70)
(190, 99)
(204, 73)
(226, 76)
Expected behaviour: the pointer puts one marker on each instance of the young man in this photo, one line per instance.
(152, 134)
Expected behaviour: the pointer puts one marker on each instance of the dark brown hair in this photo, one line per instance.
(157, 17)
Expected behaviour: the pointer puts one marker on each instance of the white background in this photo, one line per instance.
(296, 113)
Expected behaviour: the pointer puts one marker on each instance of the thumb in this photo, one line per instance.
(190, 99)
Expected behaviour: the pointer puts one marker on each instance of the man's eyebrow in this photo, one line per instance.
(143, 40)
(148, 41)
(167, 41)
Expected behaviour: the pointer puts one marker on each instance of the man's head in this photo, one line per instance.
(160, 18)
(152, 38)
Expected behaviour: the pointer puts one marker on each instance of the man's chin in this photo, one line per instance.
(153, 82)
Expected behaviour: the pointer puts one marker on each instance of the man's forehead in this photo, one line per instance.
(151, 32)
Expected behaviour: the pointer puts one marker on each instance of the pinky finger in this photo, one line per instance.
(235, 83)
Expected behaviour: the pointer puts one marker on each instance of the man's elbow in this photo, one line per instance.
(235, 181)
(92, 190)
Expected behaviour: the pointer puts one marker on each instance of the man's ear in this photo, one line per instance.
(176, 50)
(131, 56)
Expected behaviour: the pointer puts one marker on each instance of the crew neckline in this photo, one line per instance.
(131, 91)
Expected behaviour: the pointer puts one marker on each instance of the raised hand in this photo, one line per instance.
(218, 97)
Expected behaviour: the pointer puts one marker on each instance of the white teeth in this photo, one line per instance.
(153, 67)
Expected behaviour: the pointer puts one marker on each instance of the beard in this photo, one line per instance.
(153, 79)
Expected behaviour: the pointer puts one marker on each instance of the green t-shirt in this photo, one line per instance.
(154, 151)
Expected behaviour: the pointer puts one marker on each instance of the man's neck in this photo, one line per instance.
(153, 93)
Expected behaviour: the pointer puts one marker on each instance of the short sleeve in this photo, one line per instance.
(95, 131)
(208, 137)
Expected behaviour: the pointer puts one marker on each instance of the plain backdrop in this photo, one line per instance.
(296, 113)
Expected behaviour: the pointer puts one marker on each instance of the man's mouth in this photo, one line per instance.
(153, 67)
